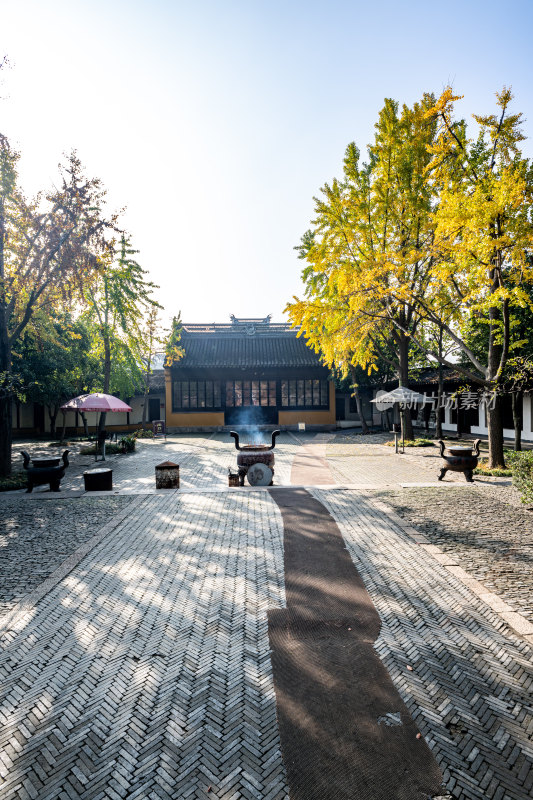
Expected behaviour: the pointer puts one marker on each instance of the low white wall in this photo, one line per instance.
(26, 416)
(482, 429)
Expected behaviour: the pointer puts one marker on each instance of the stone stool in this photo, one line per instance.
(167, 475)
(99, 479)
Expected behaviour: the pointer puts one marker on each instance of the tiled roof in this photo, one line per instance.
(249, 343)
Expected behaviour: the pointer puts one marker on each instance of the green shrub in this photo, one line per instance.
(522, 471)
(124, 445)
(127, 443)
(496, 472)
(88, 450)
(147, 434)
(18, 480)
(511, 456)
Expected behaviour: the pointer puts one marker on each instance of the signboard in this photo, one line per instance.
(158, 427)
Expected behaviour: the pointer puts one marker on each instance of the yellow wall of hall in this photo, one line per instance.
(311, 417)
(193, 420)
(216, 418)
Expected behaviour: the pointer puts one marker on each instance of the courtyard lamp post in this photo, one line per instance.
(403, 396)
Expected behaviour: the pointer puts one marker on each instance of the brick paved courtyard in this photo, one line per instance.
(135, 656)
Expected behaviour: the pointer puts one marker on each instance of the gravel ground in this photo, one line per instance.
(36, 536)
(485, 526)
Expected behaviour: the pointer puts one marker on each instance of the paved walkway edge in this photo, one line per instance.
(520, 625)
(10, 621)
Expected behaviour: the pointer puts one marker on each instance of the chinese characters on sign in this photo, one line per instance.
(456, 400)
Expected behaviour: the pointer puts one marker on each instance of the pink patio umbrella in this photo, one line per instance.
(95, 402)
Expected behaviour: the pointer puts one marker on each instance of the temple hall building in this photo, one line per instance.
(247, 372)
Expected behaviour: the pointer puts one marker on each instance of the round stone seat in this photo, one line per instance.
(99, 479)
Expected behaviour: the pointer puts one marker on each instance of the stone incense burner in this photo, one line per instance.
(250, 454)
(459, 459)
(45, 470)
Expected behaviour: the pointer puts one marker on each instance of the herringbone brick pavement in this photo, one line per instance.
(466, 678)
(146, 673)
(380, 466)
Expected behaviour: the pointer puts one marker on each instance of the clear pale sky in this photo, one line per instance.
(214, 123)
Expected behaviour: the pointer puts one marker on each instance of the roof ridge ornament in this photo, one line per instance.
(247, 321)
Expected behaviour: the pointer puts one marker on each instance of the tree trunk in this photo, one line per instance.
(440, 389)
(5, 360)
(459, 421)
(495, 436)
(146, 389)
(84, 421)
(407, 424)
(403, 380)
(5, 436)
(107, 380)
(427, 417)
(438, 415)
(494, 423)
(494, 416)
(64, 430)
(145, 405)
(52, 413)
(358, 403)
(5, 395)
(516, 399)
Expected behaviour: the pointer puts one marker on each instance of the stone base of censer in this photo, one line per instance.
(167, 475)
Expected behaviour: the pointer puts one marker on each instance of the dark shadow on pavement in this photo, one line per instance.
(345, 731)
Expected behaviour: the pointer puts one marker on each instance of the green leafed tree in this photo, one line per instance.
(174, 351)
(117, 299)
(54, 363)
(45, 246)
(153, 340)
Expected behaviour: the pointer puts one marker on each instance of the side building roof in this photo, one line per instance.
(245, 343)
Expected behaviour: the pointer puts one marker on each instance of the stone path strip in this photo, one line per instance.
(345, 731)
(310, 466)
(146, 673)
(465, 676)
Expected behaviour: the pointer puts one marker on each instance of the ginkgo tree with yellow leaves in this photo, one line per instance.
(436, 228)
(370, 248)
(483, 239)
